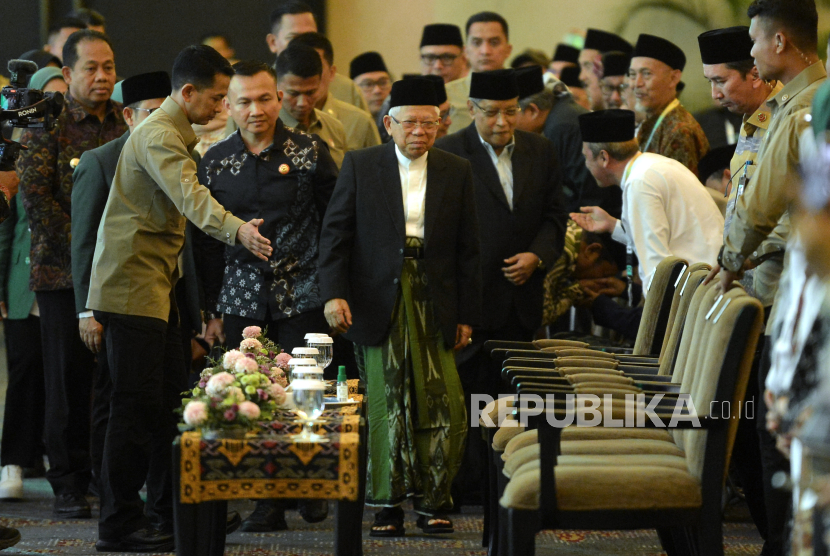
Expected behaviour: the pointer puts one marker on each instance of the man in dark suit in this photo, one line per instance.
(400, 272)
(518, 192)
(518, 195)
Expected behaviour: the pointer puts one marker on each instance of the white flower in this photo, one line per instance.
(250, 345)
(231, 357)
(249, 410)
(195, 413)
(246, 365)
(218, 384)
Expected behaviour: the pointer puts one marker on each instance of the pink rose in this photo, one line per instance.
(250, 345)
(249, 410)
(251, 332)
(195, 413)
(283, 359)
(230, 415)
(218, 383)
(246, 365)
(277, 393)
(230, 358)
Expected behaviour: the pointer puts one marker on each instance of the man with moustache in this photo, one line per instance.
(488, 47)
(614, 79)
(89, 119)
(669, 129)
(443, 102)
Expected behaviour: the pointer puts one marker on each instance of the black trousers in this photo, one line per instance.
(68, 369)
(22, 442)
(479, 374)
(778, 502)
(287, 332)
(148, 376)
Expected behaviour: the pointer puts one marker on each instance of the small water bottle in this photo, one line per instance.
(342, 385)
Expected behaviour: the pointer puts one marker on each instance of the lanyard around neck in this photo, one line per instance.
(629, 168)
(672, 105)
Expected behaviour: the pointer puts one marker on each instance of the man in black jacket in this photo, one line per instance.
(400, 273)
(518, 195)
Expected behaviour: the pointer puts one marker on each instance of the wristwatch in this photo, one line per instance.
(730, 262)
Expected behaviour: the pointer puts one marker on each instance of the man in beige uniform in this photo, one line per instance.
(293, 18)
(488, 48)
(134, 270)
(299, 74)
(361, 131)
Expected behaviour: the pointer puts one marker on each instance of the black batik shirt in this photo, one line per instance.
(288, 185)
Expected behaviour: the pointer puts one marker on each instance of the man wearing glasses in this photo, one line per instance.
(369, 73)
(614, 79)
(400, 272)
(442, 52)
(518, 190)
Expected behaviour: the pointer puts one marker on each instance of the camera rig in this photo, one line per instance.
(24, 108)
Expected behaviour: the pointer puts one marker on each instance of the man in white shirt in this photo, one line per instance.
(666, 210)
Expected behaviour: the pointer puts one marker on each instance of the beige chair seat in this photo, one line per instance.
(613, 447)
(503, 441)
(492, 409)
(639, 460)
(609, 487)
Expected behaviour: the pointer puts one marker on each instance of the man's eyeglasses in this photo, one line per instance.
(445, 59)
(608, 89)
(148, 110)
(410, 125)
(368, 85)
(490, 113)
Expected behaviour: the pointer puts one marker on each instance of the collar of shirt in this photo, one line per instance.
(506, 153)
(264, 154)
(409, 164)
(761, 117)
(172, 109)
(291, 121)
(807, 77)
(629, 168)
(78, 112)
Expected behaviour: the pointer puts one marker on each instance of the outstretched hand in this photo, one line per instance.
(594, 219)
(249, 236)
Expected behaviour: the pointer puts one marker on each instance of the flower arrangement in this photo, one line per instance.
(243, 388)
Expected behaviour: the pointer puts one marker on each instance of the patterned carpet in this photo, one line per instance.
(44, 535)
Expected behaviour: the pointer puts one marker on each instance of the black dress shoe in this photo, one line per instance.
(313, 511)
(72, 505)
(234, 521)
(8, 537)
(268, 516)
(143, 540)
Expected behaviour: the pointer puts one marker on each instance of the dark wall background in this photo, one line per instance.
(147, 35)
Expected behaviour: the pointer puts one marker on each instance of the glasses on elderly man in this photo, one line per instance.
(410, 125)
(368, 84)
(609, 89)
(508, 112)
(445, 59)
(148, 110)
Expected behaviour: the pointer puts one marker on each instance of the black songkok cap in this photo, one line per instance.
(413, 92)
(649, 46)
(723, 46)
(365, 63)
(437, 82)
(41, 58)
(146, 86)
(716, 159)
(615, 63)
(570, 76)
(605, 41)
(494, 85)
(530, 81)
(607, 126)
(566, 53)
(442, 34)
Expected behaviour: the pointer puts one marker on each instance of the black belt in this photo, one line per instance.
(413, 253)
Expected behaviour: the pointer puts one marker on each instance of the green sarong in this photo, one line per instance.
(417, 416)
